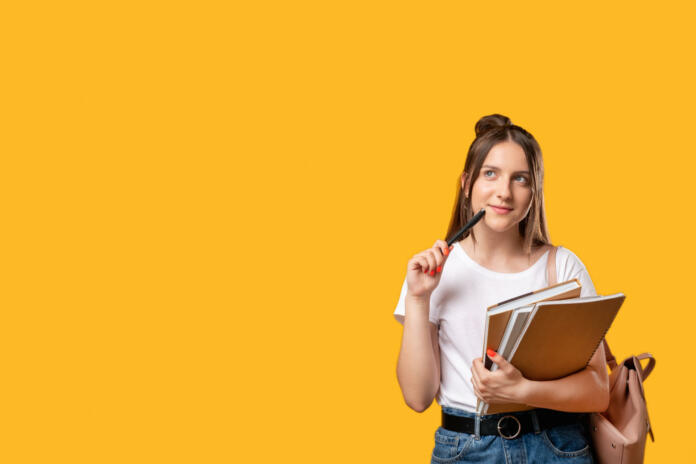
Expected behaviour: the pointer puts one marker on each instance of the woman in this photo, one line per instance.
(443, 303)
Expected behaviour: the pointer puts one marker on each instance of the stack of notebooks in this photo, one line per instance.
(547, 334)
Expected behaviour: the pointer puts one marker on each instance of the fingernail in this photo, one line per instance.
(439, 269)
(490, 353)
(446, 251)
(425, 271)
(432, 273)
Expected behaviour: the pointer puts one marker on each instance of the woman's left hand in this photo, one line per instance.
(504, 385)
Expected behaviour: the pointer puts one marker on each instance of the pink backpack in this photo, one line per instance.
(619, 433)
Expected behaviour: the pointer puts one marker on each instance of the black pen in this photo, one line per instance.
(472, 222)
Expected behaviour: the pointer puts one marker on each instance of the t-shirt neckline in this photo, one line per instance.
(502, 275)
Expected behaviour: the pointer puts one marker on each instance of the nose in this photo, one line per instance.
(503, 191)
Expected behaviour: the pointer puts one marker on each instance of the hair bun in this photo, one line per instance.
(491, 122)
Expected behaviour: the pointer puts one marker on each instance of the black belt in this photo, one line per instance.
(511, 425)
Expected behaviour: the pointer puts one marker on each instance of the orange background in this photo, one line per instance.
(208, 208)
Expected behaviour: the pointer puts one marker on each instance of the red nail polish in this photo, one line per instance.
(446, 251)
(439, 269)
(490, 353)
(425, 271)
(432, 273)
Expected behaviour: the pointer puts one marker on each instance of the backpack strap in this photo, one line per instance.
(611, 360)
(642, 374)
(645, 371)
(551, 267)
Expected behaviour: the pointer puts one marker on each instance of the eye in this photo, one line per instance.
(485, 173)
(522, 179)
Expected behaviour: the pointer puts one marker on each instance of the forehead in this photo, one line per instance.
(507, 156)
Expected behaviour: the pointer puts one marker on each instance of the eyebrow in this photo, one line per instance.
(498, 169)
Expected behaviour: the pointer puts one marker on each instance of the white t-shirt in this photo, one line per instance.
(458, 305)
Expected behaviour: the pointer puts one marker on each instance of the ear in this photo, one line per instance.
(465, 184)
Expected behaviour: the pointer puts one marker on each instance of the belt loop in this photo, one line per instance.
(477, 427)
(535, 422)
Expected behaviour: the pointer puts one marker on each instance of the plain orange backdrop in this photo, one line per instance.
(208, 208)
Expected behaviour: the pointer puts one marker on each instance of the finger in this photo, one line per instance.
(474, 370)
(478, 371)
(442, 246)
(477, 393)
(421, 262)
(496, 358)
(437, 257)
(437, 247)
(439, 252)
(480, 368)
(413, 263)
(475, 380)
(432, 262)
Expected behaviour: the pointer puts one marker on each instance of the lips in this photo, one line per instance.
(500, 209)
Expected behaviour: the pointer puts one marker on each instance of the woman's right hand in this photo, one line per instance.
(425, 269)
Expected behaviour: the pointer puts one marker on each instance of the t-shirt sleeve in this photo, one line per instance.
(400, 311)
(570, 267)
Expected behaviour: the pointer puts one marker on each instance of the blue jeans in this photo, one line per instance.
(565, 443)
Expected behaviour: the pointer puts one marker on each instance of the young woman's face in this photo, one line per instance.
(503, 187)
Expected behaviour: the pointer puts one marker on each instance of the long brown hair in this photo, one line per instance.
(491, 130)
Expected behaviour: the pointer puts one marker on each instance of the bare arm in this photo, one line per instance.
(418, 368)
(584, 391)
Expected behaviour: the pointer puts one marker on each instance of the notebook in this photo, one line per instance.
(497, 316)
(513, 331)
(559, 338)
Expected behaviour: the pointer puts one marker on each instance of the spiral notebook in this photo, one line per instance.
(498, 316)
(559, 339)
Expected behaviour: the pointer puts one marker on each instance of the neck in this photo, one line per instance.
(495, 246)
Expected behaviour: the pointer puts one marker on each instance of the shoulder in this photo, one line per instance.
(569, 266)
(539, 251)
(568, 263)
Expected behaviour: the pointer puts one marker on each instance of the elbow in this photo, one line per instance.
(417, 406)
(416, 398)
(600, 398)
(600, 394)
(603, 403)
(604, 394)
(417, 402)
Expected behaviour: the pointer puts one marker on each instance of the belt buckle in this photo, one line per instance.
(500, 428)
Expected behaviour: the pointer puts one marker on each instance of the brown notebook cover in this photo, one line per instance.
(561, 338)
(496, 323)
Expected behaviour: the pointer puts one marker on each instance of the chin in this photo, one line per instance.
(501, 225)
